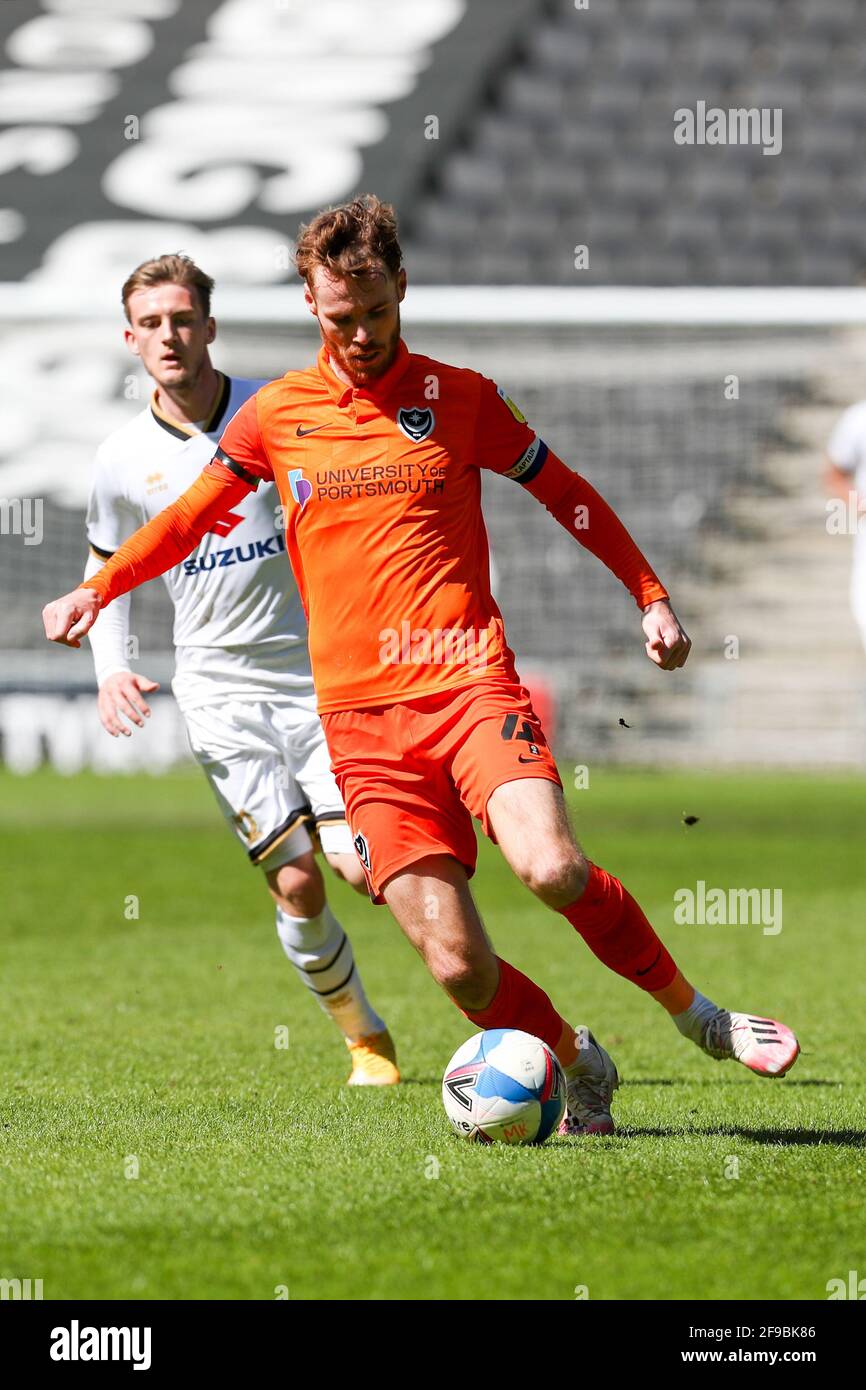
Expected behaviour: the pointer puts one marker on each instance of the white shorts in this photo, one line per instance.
(858, 588)
(270, 771)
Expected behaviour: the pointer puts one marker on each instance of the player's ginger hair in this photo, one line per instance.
(175, 269)
(353, 239)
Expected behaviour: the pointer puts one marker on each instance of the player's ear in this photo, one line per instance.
(401, 283)
(129, 339)
(211, 329)
(309, 300)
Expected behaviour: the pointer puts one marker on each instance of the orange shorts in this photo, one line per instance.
(414, 774)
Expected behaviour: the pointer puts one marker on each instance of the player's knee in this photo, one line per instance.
(349, 868)
(298, 888)
(471, 983)
(557, 877)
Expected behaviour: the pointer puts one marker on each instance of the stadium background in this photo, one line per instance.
(509, 133)
(692, 370)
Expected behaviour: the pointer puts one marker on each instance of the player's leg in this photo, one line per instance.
(297, 733)
(236, 746)
(529, 819)
(303, 742)
(346, 867)
(319, 948)
(417, 843)
(432, 903)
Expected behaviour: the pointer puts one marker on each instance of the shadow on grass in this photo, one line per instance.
(737, 1080)
(839, 1138)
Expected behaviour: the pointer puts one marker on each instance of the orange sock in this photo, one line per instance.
(616, 930)
(566, 1048)
(520, 1003)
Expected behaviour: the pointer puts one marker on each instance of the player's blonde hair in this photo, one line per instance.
(176, 269)
(353, 239)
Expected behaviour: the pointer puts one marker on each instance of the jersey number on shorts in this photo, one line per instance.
(526, 731)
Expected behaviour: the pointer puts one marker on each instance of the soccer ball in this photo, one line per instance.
(504, 1085)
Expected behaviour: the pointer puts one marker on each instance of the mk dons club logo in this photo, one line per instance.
(362, 850)
(415, 422)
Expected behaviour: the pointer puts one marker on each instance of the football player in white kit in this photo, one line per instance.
(242, 675)
(846, 475)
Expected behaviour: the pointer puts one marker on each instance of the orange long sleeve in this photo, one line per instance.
(169, 537)
(586, 516)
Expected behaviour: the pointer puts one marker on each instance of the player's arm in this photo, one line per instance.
(843, 453)
(585, 514)
(153, 549)
(169, 537)
(839, 483)
(121, 692)
(110, 521)
(582, 511)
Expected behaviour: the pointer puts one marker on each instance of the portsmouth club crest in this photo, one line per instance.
(415, 421)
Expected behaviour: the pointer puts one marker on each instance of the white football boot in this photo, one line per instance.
(761, 1044)
(591, 1081)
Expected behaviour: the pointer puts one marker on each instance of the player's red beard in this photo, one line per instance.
(361, 371)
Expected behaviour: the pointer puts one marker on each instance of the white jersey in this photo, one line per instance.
(847, 446)
(846, 450)
(239, 626)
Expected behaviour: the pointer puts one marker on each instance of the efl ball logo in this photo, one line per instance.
(504, 1086)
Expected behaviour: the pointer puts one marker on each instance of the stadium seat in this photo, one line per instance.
(562, 50)
(836, 20)
(723, 58)
(641, 57)
(535, 97)
(473, 179)
(502, 135)
(756, 22)
(670, 17)
(802, 57)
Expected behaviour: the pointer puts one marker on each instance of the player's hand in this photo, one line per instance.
(123, 693)
(67, 619)
(668, 644)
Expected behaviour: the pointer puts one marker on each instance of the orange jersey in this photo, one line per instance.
(382, 493)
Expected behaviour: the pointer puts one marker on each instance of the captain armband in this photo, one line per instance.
(530, 463)
(237, 468)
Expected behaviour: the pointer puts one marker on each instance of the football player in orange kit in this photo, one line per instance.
(377, 453)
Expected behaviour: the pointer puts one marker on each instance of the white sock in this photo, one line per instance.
(693, 1020)
(321, 952)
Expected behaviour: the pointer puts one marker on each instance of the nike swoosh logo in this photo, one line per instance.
(649, 967)
(312, 430)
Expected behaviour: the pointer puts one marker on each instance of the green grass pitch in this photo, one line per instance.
(150, 1043)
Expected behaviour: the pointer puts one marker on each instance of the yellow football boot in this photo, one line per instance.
(374, 1061)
